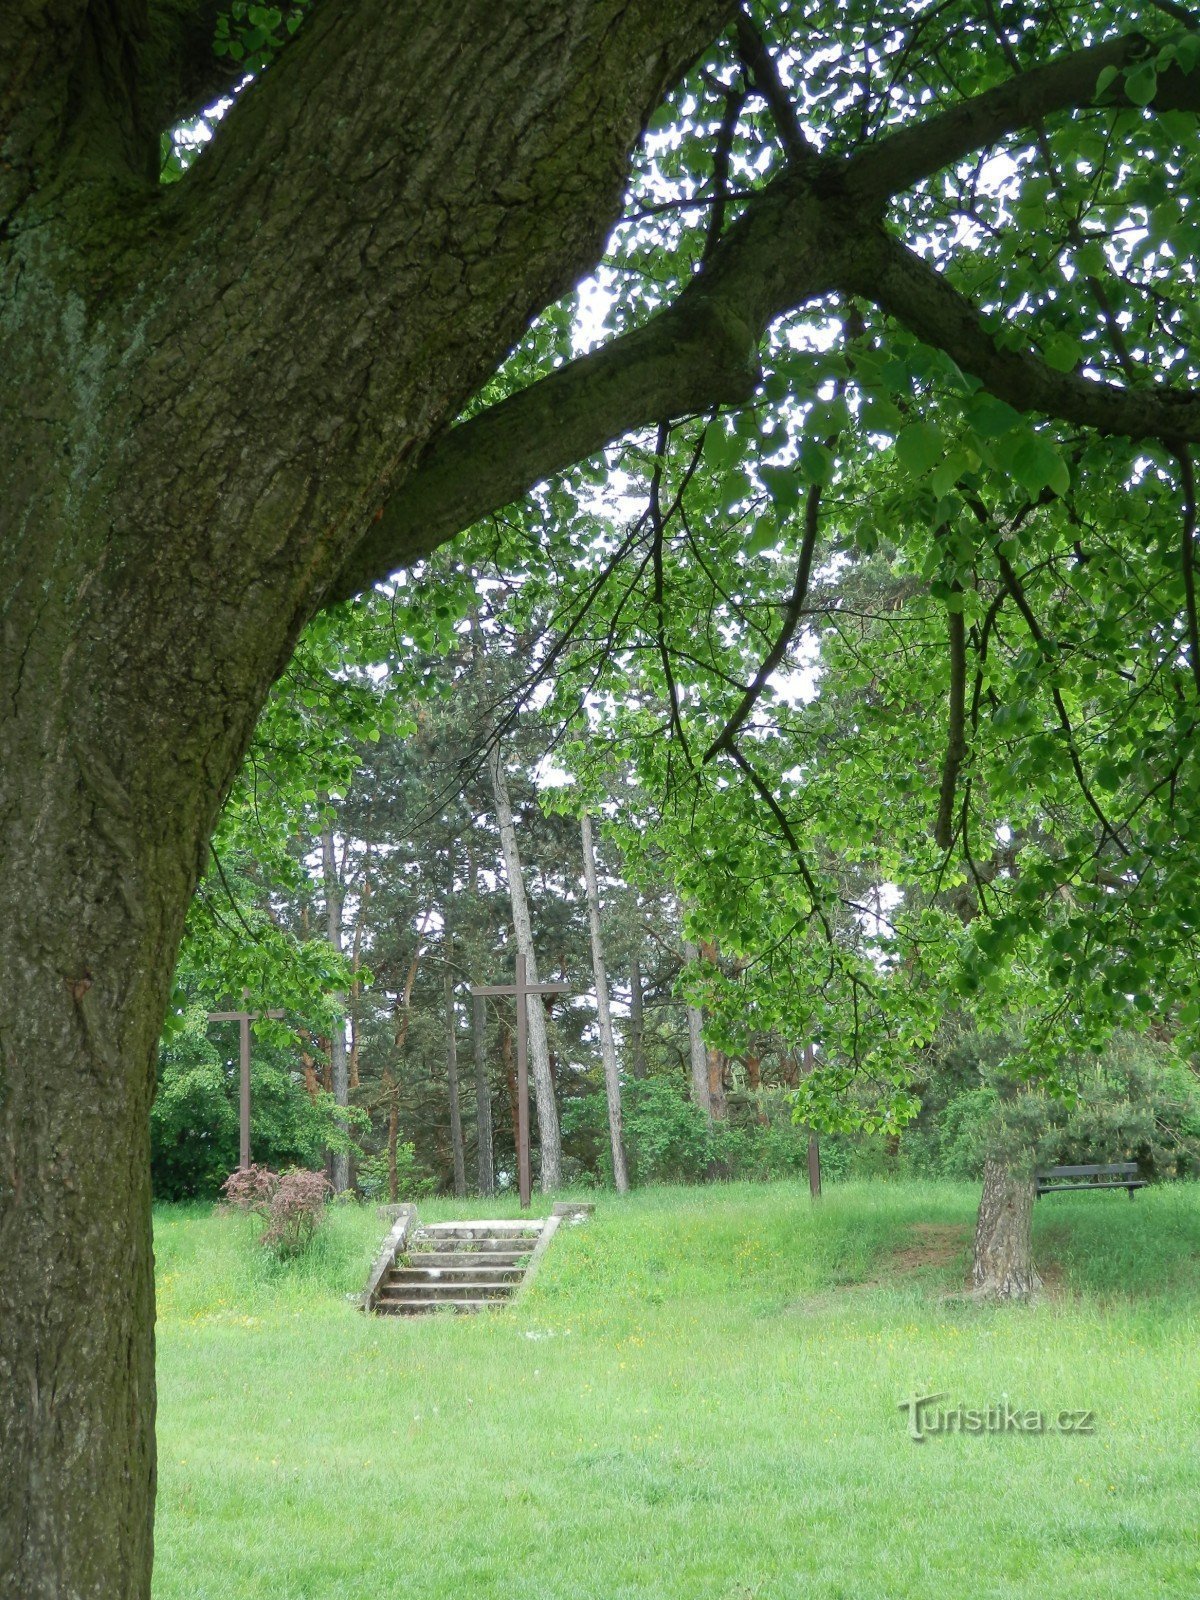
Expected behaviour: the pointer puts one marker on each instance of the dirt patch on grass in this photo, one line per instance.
(933, 1244)
(930, 1247)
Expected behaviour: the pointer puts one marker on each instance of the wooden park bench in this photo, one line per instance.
(1106, 1175)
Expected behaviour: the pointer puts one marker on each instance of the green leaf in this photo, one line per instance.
(1062, 352)
(990, 417)
(721, 449)
(918, 446)
(949, 471)
(816, 463)
(783, 485)
(1037, 465)
(881, 415)
(763, 535)
(1141, 83)
(1091, 259)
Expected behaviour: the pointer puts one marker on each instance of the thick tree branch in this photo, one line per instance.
(1067, 83)
(882, 270)
(752, 48)
(700, 352)
(64, 64)
(681, 362)
(797, 239)
(416, 245)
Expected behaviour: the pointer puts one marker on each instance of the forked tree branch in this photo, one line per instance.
(885, 272)
(1068, 83)
(812, 231)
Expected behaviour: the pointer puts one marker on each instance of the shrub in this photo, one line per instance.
(291, 1203)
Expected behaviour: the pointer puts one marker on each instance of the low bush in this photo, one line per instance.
(292, 1204)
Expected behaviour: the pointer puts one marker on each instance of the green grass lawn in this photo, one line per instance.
(699, 1398)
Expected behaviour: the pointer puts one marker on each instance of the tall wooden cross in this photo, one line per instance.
(245, 1018)
(522, 990)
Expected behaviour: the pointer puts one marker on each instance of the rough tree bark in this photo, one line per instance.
(1003, 1267)
(339, 1061)
(608, 1048)
(718, 1105)
(549, 1138)
(208, 388)
(226, 403)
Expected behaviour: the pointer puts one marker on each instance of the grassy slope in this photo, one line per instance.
(699, 1399)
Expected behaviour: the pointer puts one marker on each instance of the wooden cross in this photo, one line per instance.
(522, 990)
(245, 1018)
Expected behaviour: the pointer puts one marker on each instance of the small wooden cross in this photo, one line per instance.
(522, 990)
(245, 1018)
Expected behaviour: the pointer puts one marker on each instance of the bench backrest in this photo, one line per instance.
(1109, 1169)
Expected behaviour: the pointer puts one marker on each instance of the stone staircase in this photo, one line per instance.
(458, 1266)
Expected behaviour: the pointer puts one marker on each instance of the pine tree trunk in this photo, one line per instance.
(483, 1099)
(549, 1139)
(637, 1020)
(356, 969)
(715, 1059)
(484, 1134)
(456, 1132)
(508, 1068)
(1004, 1268)
(608, 1048)
(393, 1134)
(339, 1063)
(697, 1054)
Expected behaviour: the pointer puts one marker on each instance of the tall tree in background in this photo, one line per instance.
(697, 1052)
(483, 1099)
(456, 1128)
(549, 1136)
(332, 877)
(608, 1047)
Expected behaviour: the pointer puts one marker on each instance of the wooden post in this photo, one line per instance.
(244, 1018)
(521, 990)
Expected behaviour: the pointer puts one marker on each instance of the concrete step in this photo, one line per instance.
(504, 1225)
(451, 1271)
(492, 1258)
(417, 1308)
(454, 1246)
(463, 1288)
(464, 1233)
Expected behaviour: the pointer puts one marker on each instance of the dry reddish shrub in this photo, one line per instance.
(291, 1203)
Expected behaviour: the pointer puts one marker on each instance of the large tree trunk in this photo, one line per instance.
(339, 1062)
(483, 1099)
(456, 1132)
(1004, 1268)
(208, 391)
(608, 1048)
(549, 1140)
